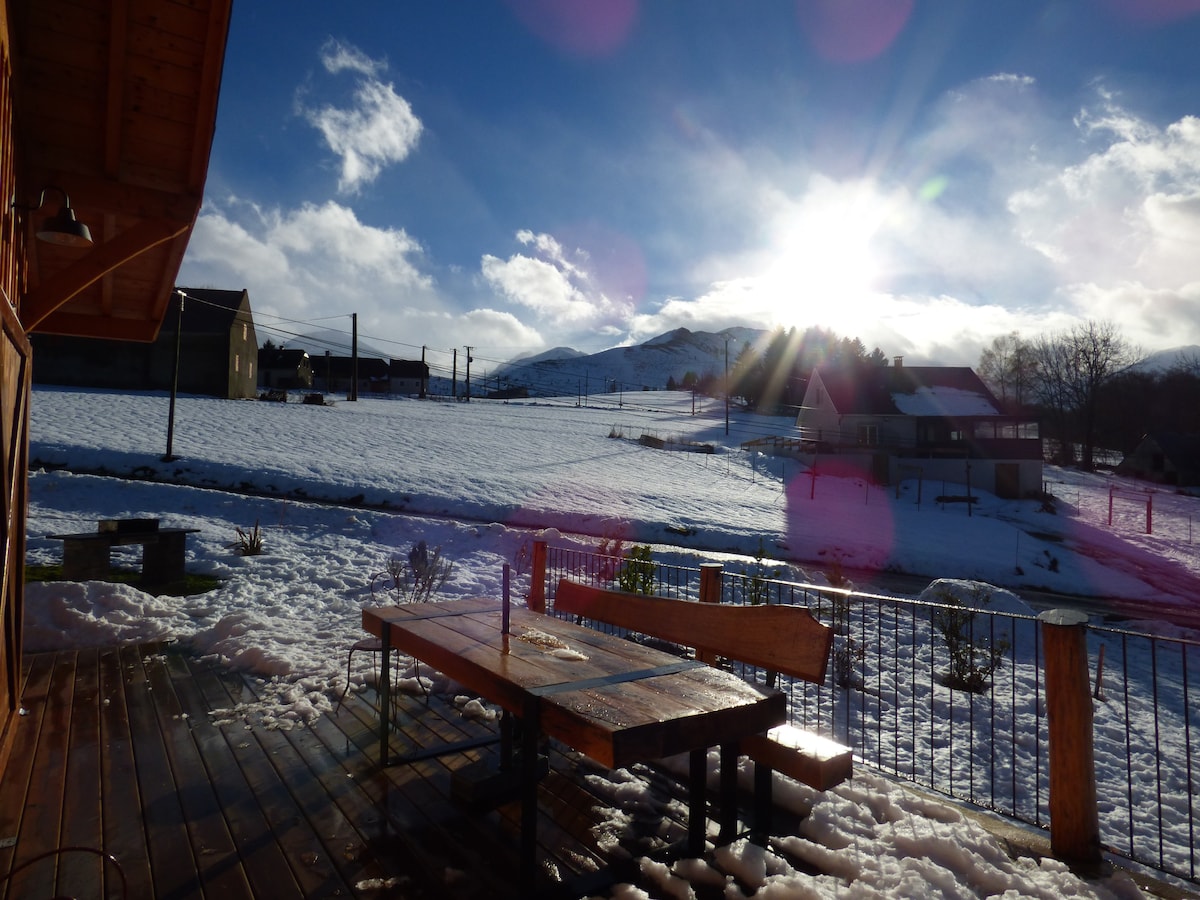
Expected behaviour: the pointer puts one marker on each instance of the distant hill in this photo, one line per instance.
(649, 366)
(337, 343)
(1165, 360)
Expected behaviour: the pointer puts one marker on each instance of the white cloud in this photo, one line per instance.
(378, 129)
(555, 284)
(339, 57)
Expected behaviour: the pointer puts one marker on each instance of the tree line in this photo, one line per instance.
(1090, 390)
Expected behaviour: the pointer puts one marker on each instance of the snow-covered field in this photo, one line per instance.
(477, 480)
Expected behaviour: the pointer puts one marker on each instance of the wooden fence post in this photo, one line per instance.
(710, 592)
(537, 578)
(1074, 817)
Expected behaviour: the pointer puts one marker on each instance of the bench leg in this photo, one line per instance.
(163, 561)
(697, 807)
(729, 763)
(85, 560)
(763, 804)
(530, 728)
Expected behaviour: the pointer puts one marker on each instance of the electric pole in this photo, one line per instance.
(174, 381)
(353, 394)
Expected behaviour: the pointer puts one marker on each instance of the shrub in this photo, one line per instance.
(249, 543)
(415, 578)
(637, 573)
(974, 656)
(758, 588)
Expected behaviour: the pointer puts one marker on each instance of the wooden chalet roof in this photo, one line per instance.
(908, 390)
(114, 102)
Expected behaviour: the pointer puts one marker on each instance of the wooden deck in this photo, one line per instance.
(118, 751)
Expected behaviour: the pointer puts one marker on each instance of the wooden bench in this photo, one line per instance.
(86, 556)
(784, 639)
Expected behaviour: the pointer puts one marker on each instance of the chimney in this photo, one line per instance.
(898, 362)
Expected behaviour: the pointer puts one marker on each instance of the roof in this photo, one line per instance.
(209, 310)
(943, 391)
(408, 368)
(1179, 448)
(277, 358)
(115, 104)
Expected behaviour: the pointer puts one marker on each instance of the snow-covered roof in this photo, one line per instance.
(908, 390)
(943, 401)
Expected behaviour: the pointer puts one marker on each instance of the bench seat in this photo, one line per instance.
(808, 758)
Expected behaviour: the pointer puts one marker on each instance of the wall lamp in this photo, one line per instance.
(62, 228)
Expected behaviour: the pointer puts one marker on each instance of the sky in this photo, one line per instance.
(520, 175)
(290, 614)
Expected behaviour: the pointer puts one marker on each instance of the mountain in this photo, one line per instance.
(647, 366)
(1165, 360)
(336, 343)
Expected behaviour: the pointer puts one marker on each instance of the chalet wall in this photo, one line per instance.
(14, 416)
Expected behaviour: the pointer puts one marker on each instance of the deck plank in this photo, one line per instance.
(124, 836)
(220, 869)
(82, 812)
(14, 788)
(119, 749)
(172, 862)
(273, 789)
(265, 868)
(44, 800)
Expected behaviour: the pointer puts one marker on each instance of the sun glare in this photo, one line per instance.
(824, 259)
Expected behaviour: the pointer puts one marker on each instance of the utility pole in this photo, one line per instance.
(454, 375)
(726, 386)
(174, 382)
(423, 370)
(353, 393)
(469, 361)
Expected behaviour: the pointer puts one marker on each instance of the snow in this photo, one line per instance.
(481, 480)
(943, 401)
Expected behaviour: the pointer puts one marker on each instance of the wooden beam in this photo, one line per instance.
(210, 87)
(117, 42)
(61, 287)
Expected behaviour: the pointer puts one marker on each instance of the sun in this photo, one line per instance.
(824, 252)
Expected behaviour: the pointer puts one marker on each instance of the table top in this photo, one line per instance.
(614, 700)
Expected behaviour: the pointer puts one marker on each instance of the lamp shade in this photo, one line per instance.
(65, 230)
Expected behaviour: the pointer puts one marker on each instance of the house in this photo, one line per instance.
(935, 422)
(107, 115)
(408, 376)
(283, 369)
(335, 374)
(1165, 458)
(217, 351)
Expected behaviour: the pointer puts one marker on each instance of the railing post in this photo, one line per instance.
(537, 578)
(710, 592)
(1074, 817)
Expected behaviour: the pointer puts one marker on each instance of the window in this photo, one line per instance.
(868, 435)
(237, 363)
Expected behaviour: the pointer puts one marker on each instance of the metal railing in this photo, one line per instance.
(953, 699)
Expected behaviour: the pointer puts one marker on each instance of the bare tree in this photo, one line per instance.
(1072, 368)
(1009, 368)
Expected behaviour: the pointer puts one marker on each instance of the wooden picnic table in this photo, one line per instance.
(614, 700)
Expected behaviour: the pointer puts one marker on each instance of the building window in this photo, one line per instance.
(237, 363)
(245, 331)
(868, 435)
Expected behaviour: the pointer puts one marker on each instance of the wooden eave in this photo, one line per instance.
(115, 102)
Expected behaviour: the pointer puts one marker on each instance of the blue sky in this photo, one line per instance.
(520, 175)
